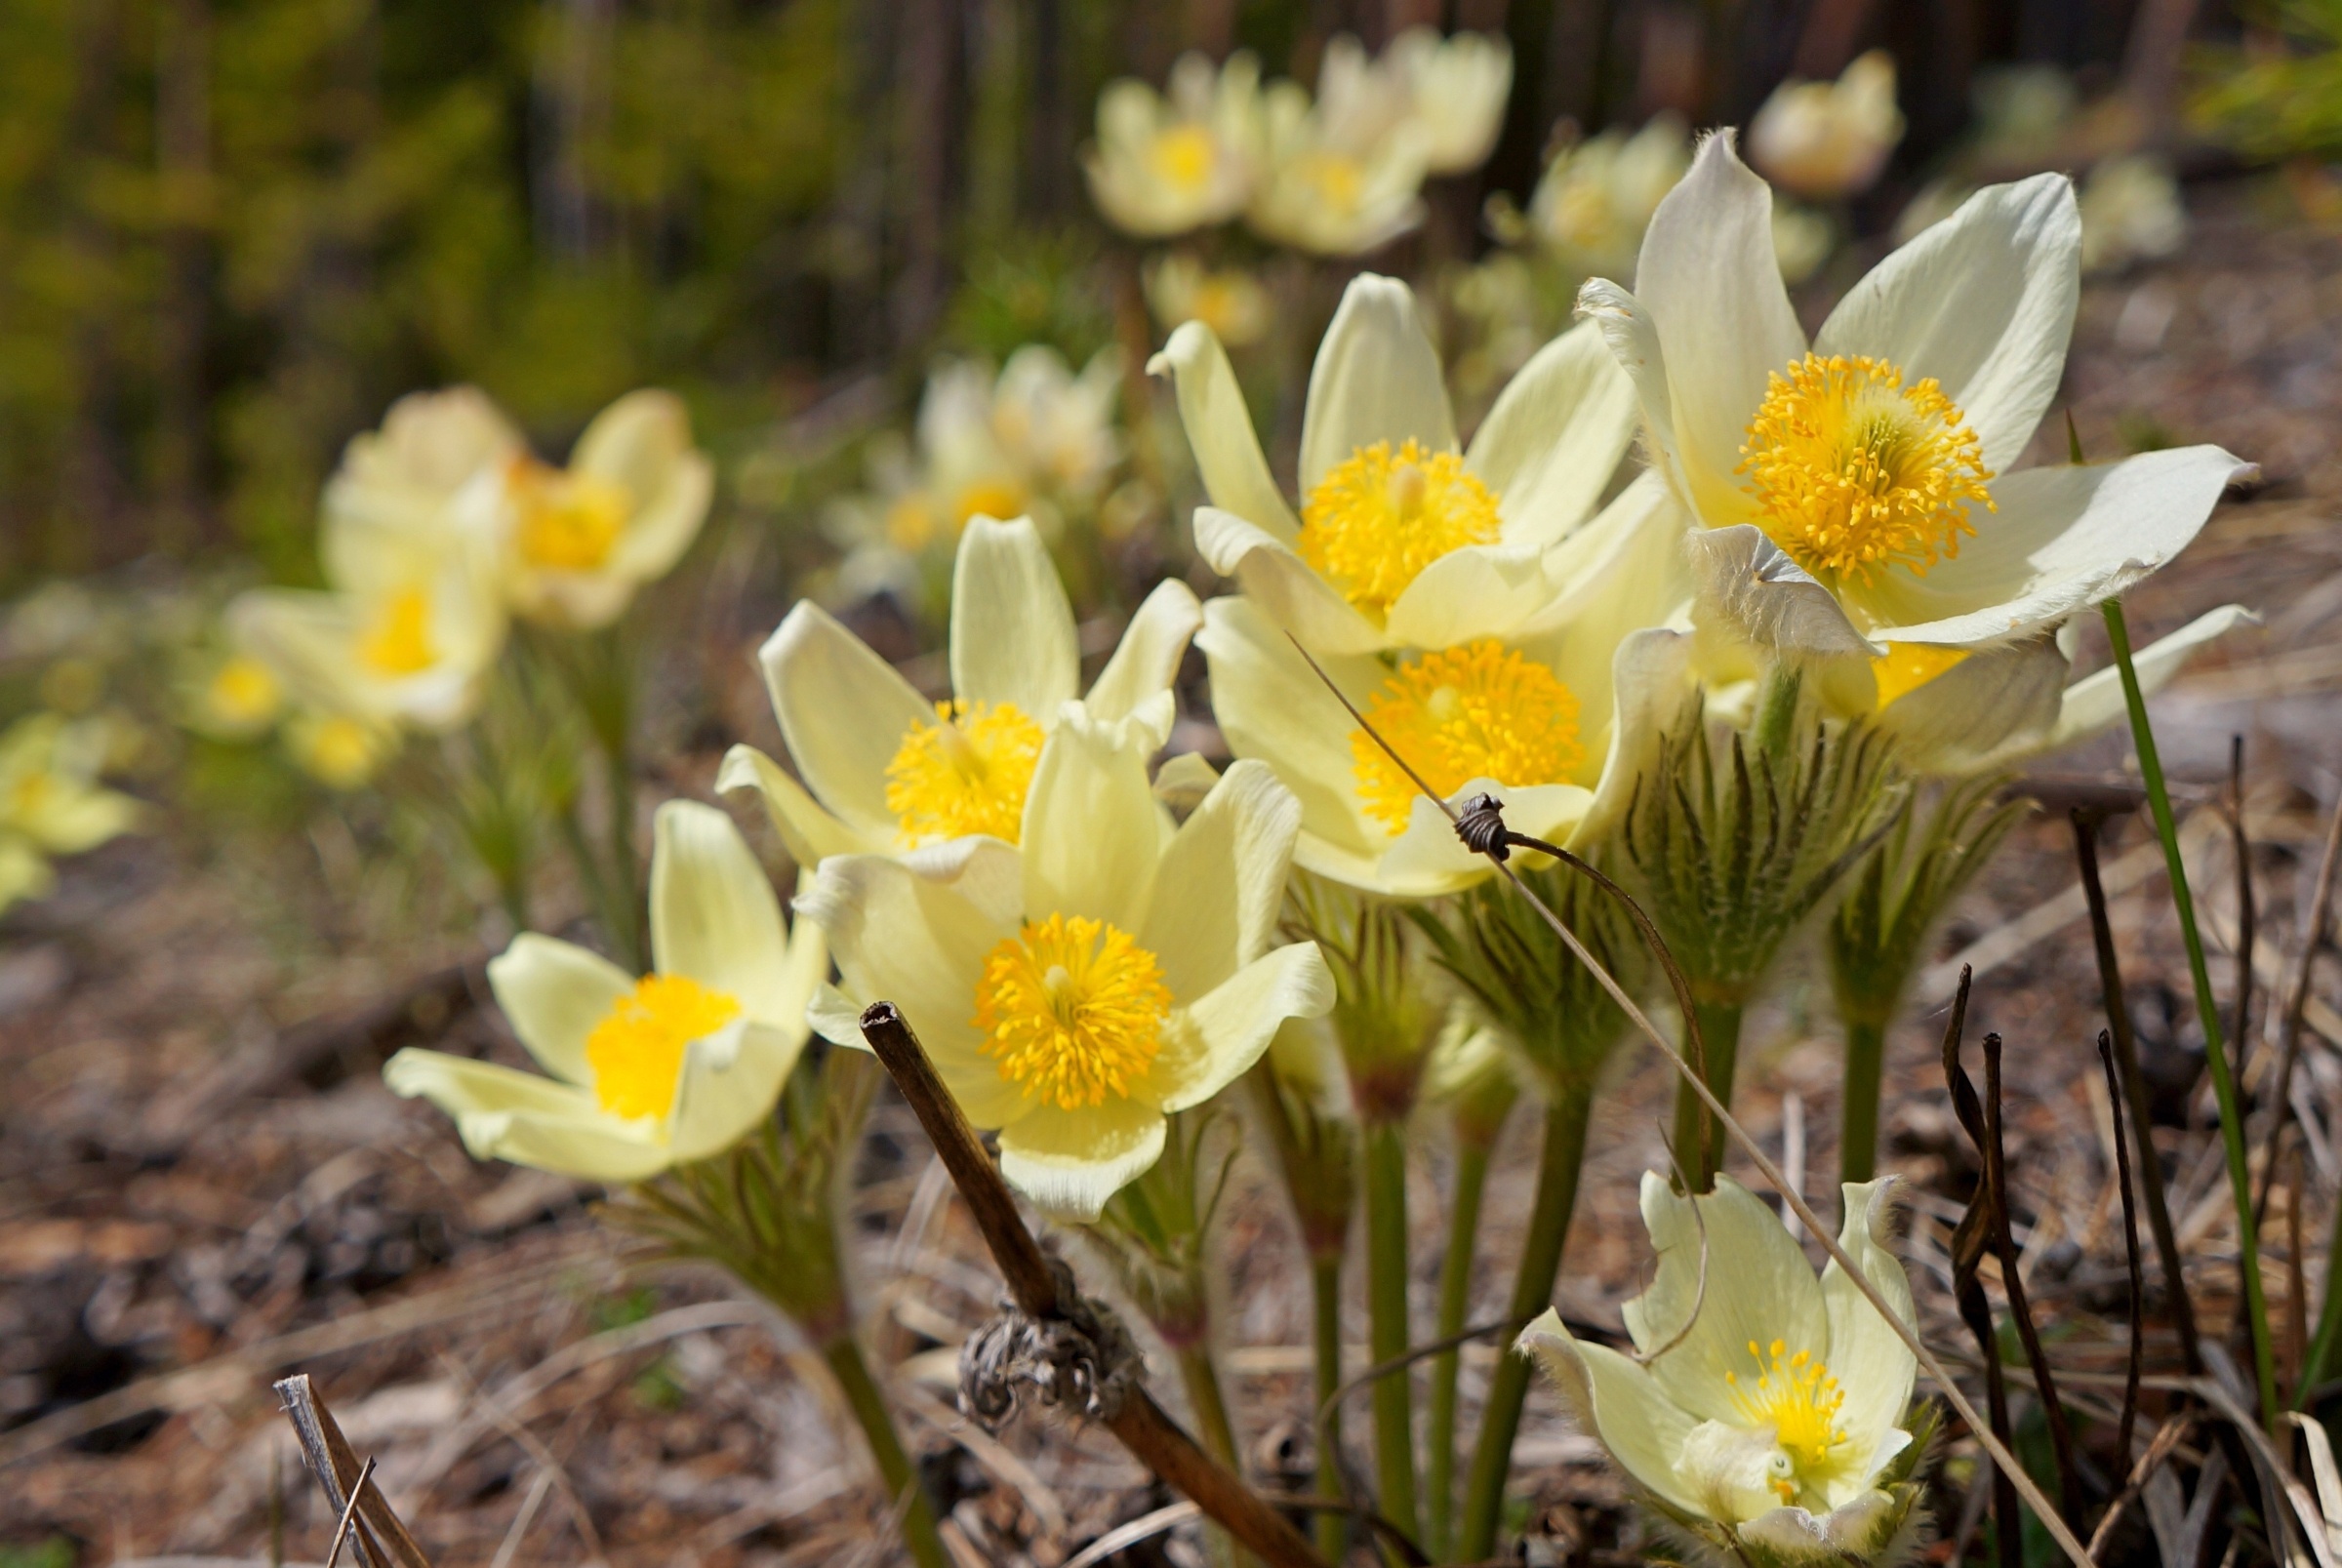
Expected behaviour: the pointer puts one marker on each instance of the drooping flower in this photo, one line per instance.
(1075, 990)
(887, 771)
(642, 1073)
(1853, 492)
(1827, 140)
(1344, 176)
(1764, 1412)
(1597, 195)
(51, 800)
(1165, 164)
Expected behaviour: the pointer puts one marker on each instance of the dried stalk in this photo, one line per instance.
(1970, 1241)
(2297, 999)
(2130, 1253)
(381, 1541)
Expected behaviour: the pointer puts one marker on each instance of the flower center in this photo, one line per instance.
(1002, 498)
(1184, 156)
(569, 522)
(1073, 1009)
(965, 775)
(244, 691)
(1855, 471)
(1463, 713)
(339, 751)
(1379, 518)
(636, 1052)
(1799, 1399)
(1335, 181)
(400, 642)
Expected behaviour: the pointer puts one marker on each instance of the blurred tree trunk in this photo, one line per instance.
(572, 94)
(935, 83)
(87, 528)
(183, 156)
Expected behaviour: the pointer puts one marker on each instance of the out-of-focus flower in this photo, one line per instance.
(1456, 90)
(1074, 991)
(233, 697)
(2023, 113)
(2130, 212)
(51, 802)
(1825, 141)
(340, 750)
(1597, 197)
(1229, 300)
(577, 542)
(431, 444)
(641, 1074)
(886, 771)
(1802, 240)
(1164, 164)
(1345, 176)
(1937, 200)
(1763, 1411)
(1936, 367)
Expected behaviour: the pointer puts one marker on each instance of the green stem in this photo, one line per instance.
(1325, 1291)
(1720, 1037)
(1201, 1380)
(2208, 1012)
(902, 1478)
(1858, 1104)
(625, 879)
(1557, 1165)
(1386, 1319)
(1455, 1299)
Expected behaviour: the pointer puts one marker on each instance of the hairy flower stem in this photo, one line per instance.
(895, 1469)
(1325, 1301)
(1201, 1380)
(1566, 1117)
(1858, 1102)
(2207, 1011)
(1699, 1157)
(1387, 1328)
(1455, 1299)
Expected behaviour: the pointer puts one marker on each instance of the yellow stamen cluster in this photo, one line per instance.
(636, 1052)
(1465, 714)
(400, 640)
(966, 774)
(569, 522)
(1379, 518)
(1798, 1398)
(1182, 156)
(1073, 1010)
(1004, 499)
(1856, 473)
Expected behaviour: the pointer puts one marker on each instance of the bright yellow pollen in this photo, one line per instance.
(1184, 156)
(1377, 520)
(400, 642)
(1799, 1399)
(1906, 666)
(569, 522)
(636, 1052)
(1073, 1010)
(1856, 473)
(1002, 498)
(967, 773)
(1465, 714)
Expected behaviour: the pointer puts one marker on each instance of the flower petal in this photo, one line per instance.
(1219, 426)
(1872, 1364)
(1633, 338)
(553, 993)
(1377, 379)
(1620, 1404)
(1991, 699)
(1012, 625)
(844, 713)
(1069, 1162)
(727, 1086)
(715, 916)
(1750, 588)
(1293, 594)
(1984, 302)
(1092, 827)
(1550, 444)
(1650, 684)
(1145, 662)
(1480, 590)
(2096, 702)
(811, 834)
(1226, 1029)
(1710, 281)
(1758, 1289)
(1221, 883)
(527, 1121)
(643, 442)
(1428, 860)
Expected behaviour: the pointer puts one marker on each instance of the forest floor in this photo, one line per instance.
(204, 1185)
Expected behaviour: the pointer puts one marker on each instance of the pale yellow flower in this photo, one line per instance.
(1074, 991)
(1456, 90)
(1343, 178)
(1164, 164)
(237, 697)
(2131, 211)
(1763, 1411)
(1597, 195)
(641, 1074)
(1827, 140)
(340, 750)
(887, 771)
(51, 800)
(1230, 302)
(431, 444)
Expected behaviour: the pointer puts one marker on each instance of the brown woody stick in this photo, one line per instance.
(381, 1541)
(1152, 1437)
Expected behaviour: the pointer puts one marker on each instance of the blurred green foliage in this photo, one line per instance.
(2283, 100)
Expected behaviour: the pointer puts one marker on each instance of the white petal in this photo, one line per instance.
(1070, 1162)
(1145, 662)
(1228, 453)
(1012, 625)
(1221, 884)
(1233, 1024)
(1480, 590)
(1710, 280)
(2096, 702)
(715, 916)
(844, 713)
(1643, 1429)
(553, 993)
(1632, 337)
(643, 442)
(1377, 379)
(724, 1095)
(1285, 585)
(1428, 858)
(1650, 684)
(1749, 587)
(528, 1120)
(1872, 1364)
(1092, 829)
(1983, 303)
(811, 834)
(1994, 699)
(1557, 431)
